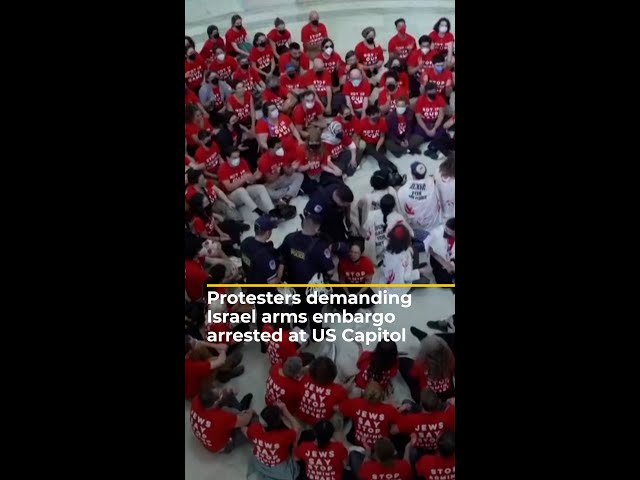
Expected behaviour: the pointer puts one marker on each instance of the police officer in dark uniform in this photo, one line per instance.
(305, 254)
(261, 264)
(332, 205)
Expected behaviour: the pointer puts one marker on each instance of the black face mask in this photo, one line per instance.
(216, 35)
(275, 89)
(238, 27)
(370, 41)
(244, 66)
(319, 72)
(339, 135)
(392, 87)
(261, 44)
(348, 117)
(432, 96)
(315, 22)
(208, 142)
(396, 69)
(314, 146)
(215, 81)
(291, 75)
(192, 57)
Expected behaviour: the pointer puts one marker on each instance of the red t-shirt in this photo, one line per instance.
(370, 132)
(316, 160)
(191, 129)
(237, 36)
(364, 362)
(191, 190)
(428, 426)
(213, 427)
(332, 63)
(194, 373)
(279, 38)
(194, 71)
(371, 420)
(191, 98)
(414, 60)
(279, 352)
(435, 467)
(440, 79)
(372, 470)
(303, 61)
(249, 77)
(356, 272)
(403, 80)
(369, 56)
(262, 58)
(207, 227)
(209, 48)
(242, 110)
(308, 35)
(429, 109)
(385, 95)
(357, 94)
(318, 401)
(211, 157)
(224, 69)
(350, 128)
(325, 464)
(271, 448)
(283, 388)
(194, 278)
(277, 98)
(442, 386)
(227, 172)
(334, 151)
(290, 83)
(402, 48)
(302, 116)
(319, 83)
(440, 43)
(280, 130)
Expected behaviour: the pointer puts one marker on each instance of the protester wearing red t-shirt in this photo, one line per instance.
(309, 113)
(402, 44)
(442, 77)
(296, 57)
(224, 65)
(356, 269)
(331, 59)
(341, 150)
(321, 394)
(350, 63)
(429, 111)
(442, 465)
(208, 154)
(315, 163)
(241, 104)
(350, 123)
(222, 205)
(313, 33)
(236, 38)
(356, 92)
(279, 38)
(219, 430)
(190, 98)
(263, 61)
(279, 95)
(195, 121)
(443, 39)
(279, 352)
(370, 56)
(252, 80)
(401, 123)
(195, 276)
(214, 41)
(384, 465)
(418, 62)
(278, 125)
(194, 68)
(323, 458)
(390, 94)
(291, 80)
(373, 130)
(278, 172)
(199, 364)
(380, 366)
(285, 383)
(401, 71)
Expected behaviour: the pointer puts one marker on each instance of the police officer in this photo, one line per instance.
(305, 254)
(332, 205)
(261, 264)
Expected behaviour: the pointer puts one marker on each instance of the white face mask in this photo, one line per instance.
(443, 29)
(220, 57)
(401, 110)
(309, 105)
(280, 152)
(424, 50)
(235, 162)
(274, 113)
(328, 50)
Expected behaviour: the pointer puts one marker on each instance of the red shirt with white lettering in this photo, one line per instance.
(334, 151)
(325, 464)
(286, 58)
(333, 62)
(227, 172)
(398, 470)
(194, 72)
(429, 109)
(209, 48)
(262, 58)
(369, 56)
(440, 43)
(403, 80)
(364, 362)
(271, 164)
(435, 467)
(278, 98)
(191, 129)
(205, 226)
(356, 272)
(249, 77)
(290, 83)
(316, 159)
(386, 96)
(281, 129)
(237, 36)
(279, 38)
(224, 69)
(357, 94)
(318, 400)
(209, 189)
(349, 128)
(440, 79)
(213, 427)
(242, 110)
(271, 448)
(428, 426)
(210, 157)
(308, 35)
(280, 387)
(279, 352)
(402, 48)
(371, 132)
(194, 373)
(195, 277)
(414, 60)
(320, 83)
(371, 420)
(302, 116)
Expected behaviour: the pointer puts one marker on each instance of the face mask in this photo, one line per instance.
(339, 135)
(328, 51)
(208, 143)
(432, 96)
(356, 82)
(216, 35)
(370, 41)
(309, 105)
(348, 117)
(220, 57)
(274, 113)
(375, 119)
(215, 81)
(262, 44)
(392, 87)
(403, 29)
(238, 27)
(192, 57)
(401, 110)
(314, 146)
(439, 68)
(275, 88)
(315, 22)
(443, 29)
(424, 50)
(279, 152)
(235, 162)
(244, 66)
(319, 73)
(291, 75)
(395, 68)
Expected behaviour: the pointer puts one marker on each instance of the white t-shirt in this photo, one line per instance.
(373, 199)
(375, 235)
(440, 245)
(447, 192)
(419, 202)
(398, 267)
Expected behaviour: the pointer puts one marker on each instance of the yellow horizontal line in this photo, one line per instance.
(334, 285)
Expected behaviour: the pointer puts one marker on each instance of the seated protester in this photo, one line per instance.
(279, 351)
(285, 384)
(356, 92)
(419, 201)
(398, 259)
(279, 38)
(194, 69)
(221, 204)
(217, 417)
(312, 34)
(401, 123)
(319, 82)
(435, 418)
(332, 62)
(262, 58)
(384, 463)
(250, 78)
(195, 121)
(295, 57)
(419, 61)
(356, 269)
(390, 94)
(400, 69)
(228, 134)
(280, 178)
(370, 56)
(442, 249)
(379, 366)
(237, 38)
(199, 364)
(331, 206)
(430, 117)
(208, 154)
(240, 184)
(445, 178)
(273, 444)
(341, 150)
(350, 63)
(443, 463)
(378, 225)
(188, 42)
(402, 44)
(291, 80)
(443, 39)
(379, 181)
(274, 124)
(195, 276)
(191, 98)
(214, 94)
(321, 393)
(223, 65)
(315, 163)
(204, 224)
(373, 131)
(308, 114)
(241, 104)
(438, 74)
(323, 457)
(350, 123)
(279, 96)
(214, 40)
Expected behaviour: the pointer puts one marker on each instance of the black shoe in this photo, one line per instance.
(225, 376)
(258, 211)
(415, 151)
(245, 227)
(419, 334)
(441, 325)
(263, 347)
(245, 403)
(432, 154)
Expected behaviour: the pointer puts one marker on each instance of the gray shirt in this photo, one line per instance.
(207, 97)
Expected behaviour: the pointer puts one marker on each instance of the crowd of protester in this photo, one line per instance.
(268, 119)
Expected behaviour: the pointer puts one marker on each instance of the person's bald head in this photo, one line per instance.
(318, 64)
(313, 15)
(355, 74)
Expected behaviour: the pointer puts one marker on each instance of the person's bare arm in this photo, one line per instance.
(380, 143)
(296, 134)
(223, 196)
(234, 45)
(274, 48)
(320, 122)
(439, 120)
(244, 418)
(327, 110)
(410, 445)
(299, 129)
(365, 104)
(413, 70)
(262, 140)
(332, 168)
(421, 123)
(253, 115)
(448, 88)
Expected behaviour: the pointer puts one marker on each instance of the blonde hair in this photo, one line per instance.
(435, 352)
(374, 392)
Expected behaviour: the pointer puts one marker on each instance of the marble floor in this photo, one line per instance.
(344, 21)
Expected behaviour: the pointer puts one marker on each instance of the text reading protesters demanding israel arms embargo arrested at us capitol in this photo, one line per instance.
(377, 319)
